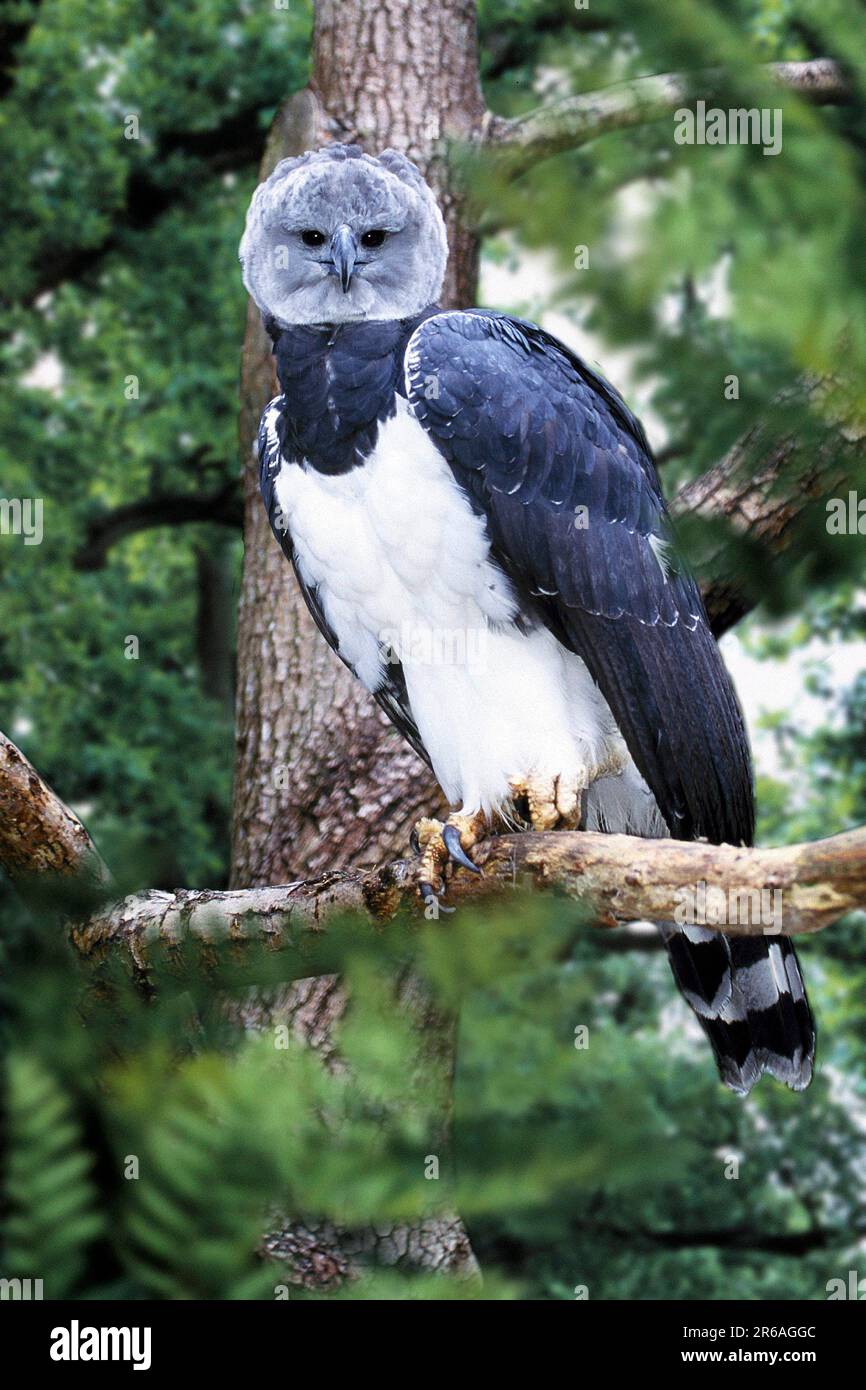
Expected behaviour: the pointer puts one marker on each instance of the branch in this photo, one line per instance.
(620, 877)
(38, 833)
(744, 488)
(224, 507)
(573, 121)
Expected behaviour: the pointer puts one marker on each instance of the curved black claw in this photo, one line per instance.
(429, 895)
(451, 840)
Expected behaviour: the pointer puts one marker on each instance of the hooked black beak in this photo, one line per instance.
(344, 249)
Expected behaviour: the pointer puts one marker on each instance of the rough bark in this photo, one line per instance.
(390, 73)
(620, 878)
(39, 834)
(321, 778)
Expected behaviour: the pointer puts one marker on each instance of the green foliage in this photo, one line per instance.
(52, 1209)
(824, 791)
(711, 262)
(118, 274)
(194, 1221)
(118, 262)
(153, 1143)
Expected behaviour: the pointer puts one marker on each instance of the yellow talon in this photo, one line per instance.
(556, 803)
(444, 841)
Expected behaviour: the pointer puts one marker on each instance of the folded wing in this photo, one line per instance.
(551, 456)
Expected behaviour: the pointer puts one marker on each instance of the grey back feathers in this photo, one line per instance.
(287, 250)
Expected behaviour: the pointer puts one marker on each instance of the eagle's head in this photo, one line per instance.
(338, 235)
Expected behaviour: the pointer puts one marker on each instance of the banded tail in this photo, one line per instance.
(749, 996)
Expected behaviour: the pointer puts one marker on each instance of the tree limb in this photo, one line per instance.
(764, 485)
(38, 833)
(621, 878)
(225, 506)
(744, 1238)
(570, 122)
(521, 141)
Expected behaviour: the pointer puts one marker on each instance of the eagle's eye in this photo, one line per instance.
(373, 238)
(313, 238)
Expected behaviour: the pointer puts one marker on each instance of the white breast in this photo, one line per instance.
(402, 565)
(395, 549)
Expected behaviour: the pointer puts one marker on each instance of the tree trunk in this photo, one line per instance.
(321, 777)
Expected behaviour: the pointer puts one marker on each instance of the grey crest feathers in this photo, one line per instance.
(343, 193)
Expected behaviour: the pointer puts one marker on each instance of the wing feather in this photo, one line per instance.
(561, 469)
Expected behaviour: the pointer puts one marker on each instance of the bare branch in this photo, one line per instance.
(225, 507)
(764, 484)
(794, 1243)
(38, 833)
(621, 877)
(574, 121)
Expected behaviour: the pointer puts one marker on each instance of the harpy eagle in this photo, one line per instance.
(477, 526)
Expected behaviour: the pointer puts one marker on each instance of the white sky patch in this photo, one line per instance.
(775, 686)
(46, 374)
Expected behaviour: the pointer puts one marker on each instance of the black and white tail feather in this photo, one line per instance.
(748, 994)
